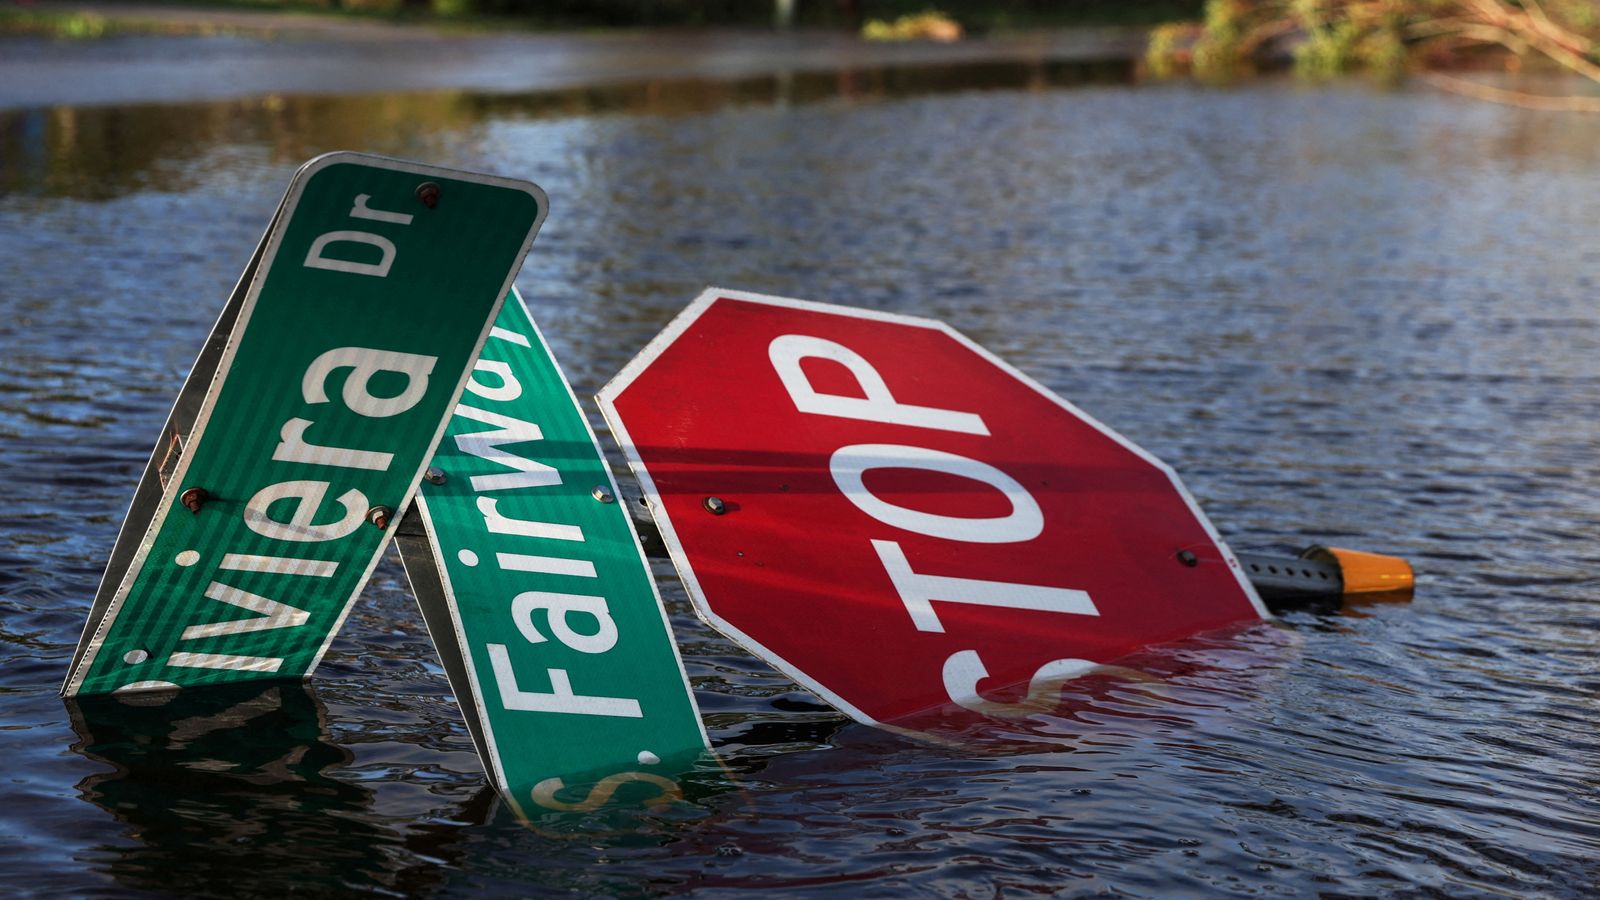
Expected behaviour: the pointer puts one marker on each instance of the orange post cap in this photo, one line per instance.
(1367, 573)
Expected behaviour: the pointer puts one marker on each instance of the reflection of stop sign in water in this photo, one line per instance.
(905, 520)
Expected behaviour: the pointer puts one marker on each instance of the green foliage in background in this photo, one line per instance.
(927, 26)
(65, 25)
(843, 14)
(972, 16)
(847, 15)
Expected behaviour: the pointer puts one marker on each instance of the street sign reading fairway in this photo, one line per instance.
(898, 519)
(336, 364)
(538, 596)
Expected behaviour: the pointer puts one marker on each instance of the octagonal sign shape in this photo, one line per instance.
(899, 520)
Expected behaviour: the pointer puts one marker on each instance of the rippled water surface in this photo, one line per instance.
(1346, 315)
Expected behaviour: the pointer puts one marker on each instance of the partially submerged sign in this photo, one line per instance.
(307, 421)
(538, 596)
(898, 519)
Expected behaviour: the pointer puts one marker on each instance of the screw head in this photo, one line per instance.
(428, 193)
(600, 493)
(194, 498)
(379, 516)
(434, 475)
(1188, 558)
(714, 505)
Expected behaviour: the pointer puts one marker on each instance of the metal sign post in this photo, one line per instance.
(898, 519)
(538, 596)
(308, 420)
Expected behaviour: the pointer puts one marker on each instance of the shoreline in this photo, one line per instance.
(249, 54)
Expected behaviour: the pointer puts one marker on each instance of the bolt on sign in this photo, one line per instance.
(539, 599)
(306, 422)
(899, 520)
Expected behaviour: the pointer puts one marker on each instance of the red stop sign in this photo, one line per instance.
(899, 520)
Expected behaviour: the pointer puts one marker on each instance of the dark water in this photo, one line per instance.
(1345, 315)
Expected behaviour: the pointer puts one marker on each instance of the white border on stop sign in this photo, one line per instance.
(669, 535)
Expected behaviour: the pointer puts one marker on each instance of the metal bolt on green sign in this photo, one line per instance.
(307, 420)
(538, 596)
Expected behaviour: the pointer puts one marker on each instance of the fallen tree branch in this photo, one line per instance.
(1574, 42)
(1480, 91)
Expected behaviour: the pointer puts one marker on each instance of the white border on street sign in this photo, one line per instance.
(139, 515)
(460, 638)
(275, 237)
(669, 535)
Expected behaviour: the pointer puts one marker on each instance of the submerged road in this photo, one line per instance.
(246, 53)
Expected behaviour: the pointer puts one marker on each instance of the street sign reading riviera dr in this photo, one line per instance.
(898, 519)
(538, 596)
(305, 424)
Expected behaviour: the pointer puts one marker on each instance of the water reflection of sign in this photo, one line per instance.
(236, 790)
(273, 491)
(539, 598)
(214, 782)
(898, 519)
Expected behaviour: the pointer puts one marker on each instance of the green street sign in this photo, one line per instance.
(538, 596)
(306, 423)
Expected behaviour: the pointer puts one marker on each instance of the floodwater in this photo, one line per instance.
(1343, 314)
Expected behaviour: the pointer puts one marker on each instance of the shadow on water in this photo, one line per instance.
(99, 153)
